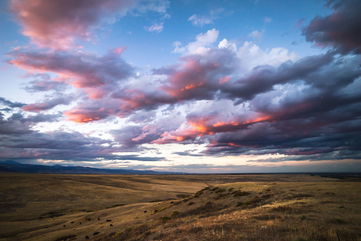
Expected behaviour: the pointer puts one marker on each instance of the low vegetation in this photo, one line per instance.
(189, 207)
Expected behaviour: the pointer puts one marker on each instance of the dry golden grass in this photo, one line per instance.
(179, 207)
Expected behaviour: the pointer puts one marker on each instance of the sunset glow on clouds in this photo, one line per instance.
(223, 93)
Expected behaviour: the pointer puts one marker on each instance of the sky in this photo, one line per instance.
(220, 86)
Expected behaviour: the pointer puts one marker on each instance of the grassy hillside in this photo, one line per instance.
(183, 207)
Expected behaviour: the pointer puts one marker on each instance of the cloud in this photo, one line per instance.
(194, 77)
(16, 123)
(250, 55)
(48, 104)
(135, 157)
(200, 20)
(57, 25)
(263, 78)
(204, 72)
(216, 73)
(200, 45)
(198, 76)
(267, 20)
(43, 82)
(302, 109)
(206, 126)
(53, 146)
(96, 75)
(121, 103)
(309, 118)
(9, 103)
(157, 27)
(256, 34)
(20, 142)
(234, 99)
(159, 6)
(340, 29)
(88, 114)
(132, 136)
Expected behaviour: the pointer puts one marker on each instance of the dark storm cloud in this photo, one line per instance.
(197, 77)
(137, 158)
(43, 82)
(52, 146)
(263, 78)
(19, 142)
(48, 104)
(306, 109)
(18, 124)
(316, 113)
(185, 153)
(125, 136)
(130, 137)
(290, 140)
(200, 77)
(333, 131)
(95, 74)
(290, 107)
(10, 104)
(193, 78)
(340, 29)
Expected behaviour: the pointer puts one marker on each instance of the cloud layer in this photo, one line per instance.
(234, 99)
(341, 29)
(57, 24)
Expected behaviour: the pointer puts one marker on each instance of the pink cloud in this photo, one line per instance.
(208, 126)
(340, 29)
(96, 75)
(198, 76)
(119, 50)
(49, 104)
(84, 116)
(94, 109)
(57, 24)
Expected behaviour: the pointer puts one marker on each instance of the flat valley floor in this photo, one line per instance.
(277, 207)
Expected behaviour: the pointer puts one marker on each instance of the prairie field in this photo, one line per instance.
(265, 207)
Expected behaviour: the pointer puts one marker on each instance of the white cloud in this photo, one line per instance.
(256, 34)
(157, 27)
(159, 6)
(227, 45)
(200, 20)
(200, 46)
(267, 19)
(251, 55)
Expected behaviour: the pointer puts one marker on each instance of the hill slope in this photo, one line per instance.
(179, 207)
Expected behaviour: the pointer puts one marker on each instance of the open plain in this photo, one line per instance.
(289, 207)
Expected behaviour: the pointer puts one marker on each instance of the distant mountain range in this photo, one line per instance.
(12, 166)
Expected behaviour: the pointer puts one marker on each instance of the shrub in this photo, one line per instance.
(66, 238)
(240, 193)
(165, 218)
